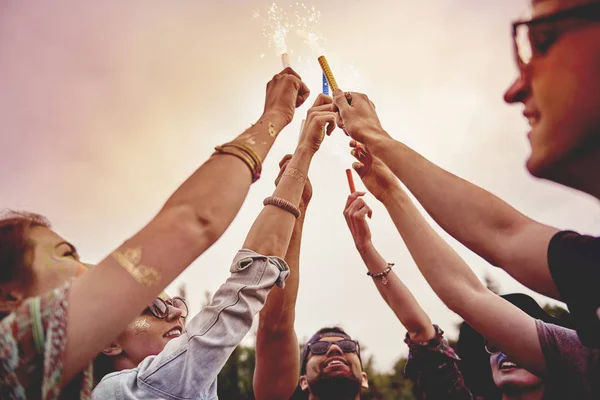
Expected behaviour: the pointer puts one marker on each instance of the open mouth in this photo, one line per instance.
(507, 364)
(175, 332)
(335, 362)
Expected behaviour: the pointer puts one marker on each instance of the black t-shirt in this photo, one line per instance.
(574, 262)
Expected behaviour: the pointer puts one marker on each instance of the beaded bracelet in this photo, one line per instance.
(283, 204)
(382, 274)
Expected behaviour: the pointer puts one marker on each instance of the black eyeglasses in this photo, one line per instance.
(322, 347)
(160, 307)
(535, 36)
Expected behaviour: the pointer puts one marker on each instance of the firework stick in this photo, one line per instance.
(350, 181)
(301, 128)
(285, 60)
(325, 85)
(329, 75)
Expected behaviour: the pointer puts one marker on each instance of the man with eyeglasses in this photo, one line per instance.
(558, 55)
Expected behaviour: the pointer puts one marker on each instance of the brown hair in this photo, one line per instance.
(14, 245)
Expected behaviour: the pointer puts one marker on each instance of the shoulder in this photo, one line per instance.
(113, 385)
(563, 349)
(568, 361)
(574, 262)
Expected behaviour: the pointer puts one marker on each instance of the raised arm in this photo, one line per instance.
(397, 296)
(452, 279)
(277, 351)
(478, 219)
(191, 221)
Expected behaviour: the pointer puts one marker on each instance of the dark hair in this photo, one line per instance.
(14, 246)
(327, 331)
(103, 365)
(475, 365)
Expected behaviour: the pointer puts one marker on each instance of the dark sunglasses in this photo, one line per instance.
(160, 307)
(322, 347)
(534, 37)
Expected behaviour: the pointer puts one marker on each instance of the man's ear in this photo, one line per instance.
(113, 349)
(364, 381)
(303, 383)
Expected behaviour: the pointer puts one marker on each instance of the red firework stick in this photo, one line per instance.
(350, 181)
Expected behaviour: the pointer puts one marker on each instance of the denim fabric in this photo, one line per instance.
(187, 368)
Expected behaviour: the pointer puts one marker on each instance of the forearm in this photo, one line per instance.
(476, 218)
(447, 274)
(472, 215)
(195, 358)
(216, 190)
(141, 267)
(271, 232)
(398, 296)
(277, 351)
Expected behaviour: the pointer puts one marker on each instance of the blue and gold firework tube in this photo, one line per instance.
(329, 75)
(325, 85)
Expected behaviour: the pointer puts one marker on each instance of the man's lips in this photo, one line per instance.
(533, 117)
(334, 362)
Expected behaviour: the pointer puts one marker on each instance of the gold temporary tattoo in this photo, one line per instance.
(141, 326)
(296, 174)
(130, 260)
(272, 130)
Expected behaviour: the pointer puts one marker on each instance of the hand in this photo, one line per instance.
(376, 176)
(285, 92)
(359, 120)
(320, 120)
(306, 193)
(355, 212)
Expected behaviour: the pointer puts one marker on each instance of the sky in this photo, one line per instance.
(106, 107)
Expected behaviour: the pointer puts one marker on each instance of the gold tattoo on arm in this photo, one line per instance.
(295, 174)
(272, 131)
(130, 260)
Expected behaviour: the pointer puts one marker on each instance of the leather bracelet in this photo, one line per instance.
(382, 274)
(283, 204)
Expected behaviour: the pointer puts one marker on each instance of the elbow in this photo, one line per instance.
(192, 228)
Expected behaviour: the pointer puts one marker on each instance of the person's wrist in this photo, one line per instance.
(363, 245)
(393, 191)
(377, 140)
(305, 150)
(275, 118)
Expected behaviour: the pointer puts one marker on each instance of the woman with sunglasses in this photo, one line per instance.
(163, 320)
(53, 325)
(156, 359)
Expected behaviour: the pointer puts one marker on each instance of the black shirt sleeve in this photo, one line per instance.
(574, 262)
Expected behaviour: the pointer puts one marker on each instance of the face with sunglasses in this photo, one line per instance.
(333, 366)
(507, 375)
(163, 320)
(557, 53)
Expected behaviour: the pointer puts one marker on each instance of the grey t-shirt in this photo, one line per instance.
(573, 370)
